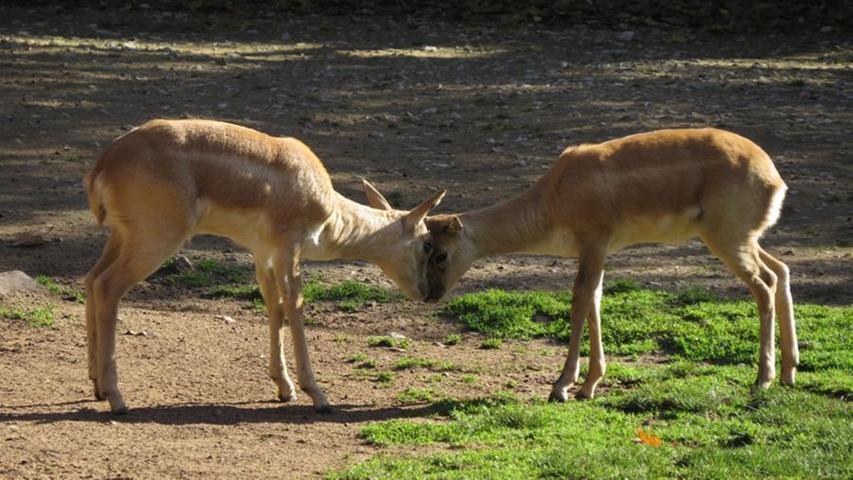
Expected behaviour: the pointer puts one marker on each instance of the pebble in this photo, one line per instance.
(626, 36)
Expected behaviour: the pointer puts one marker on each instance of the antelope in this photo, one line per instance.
(661, 186)
(167, 180)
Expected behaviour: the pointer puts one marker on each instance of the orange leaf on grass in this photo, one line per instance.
(648, 438)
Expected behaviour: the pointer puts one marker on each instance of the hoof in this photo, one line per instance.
(583, 396)
(284, 398)
(98, 395)
(788, 377)
(558, 396)
(120, 411)
(762, 384)
(117, 406)
(324, 409)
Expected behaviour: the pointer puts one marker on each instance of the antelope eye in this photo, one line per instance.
(427, 247)
(441, 257)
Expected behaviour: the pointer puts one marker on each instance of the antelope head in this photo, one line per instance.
(405, 256)
(452, 254)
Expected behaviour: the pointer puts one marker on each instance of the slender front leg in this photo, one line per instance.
(286, 267)
(275, 314)
(590, 267)
(597, 365)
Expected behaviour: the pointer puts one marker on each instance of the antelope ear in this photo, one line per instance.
(374, 198)
(454, 225)
(417, 214)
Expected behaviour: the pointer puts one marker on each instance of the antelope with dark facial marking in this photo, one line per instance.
(662, 186)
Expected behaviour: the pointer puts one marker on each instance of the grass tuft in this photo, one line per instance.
(349, 295)
(388, 341)
(406, 363)
(62, 291)
(413, 395)
(38, 317)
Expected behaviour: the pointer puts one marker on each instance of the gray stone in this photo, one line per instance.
(15, 281)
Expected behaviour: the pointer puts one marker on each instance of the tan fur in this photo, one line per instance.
(662, 186)
(162, 183)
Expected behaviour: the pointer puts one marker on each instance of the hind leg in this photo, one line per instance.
(108, 256)
(743, 259)
(138, 257)
(785, 314)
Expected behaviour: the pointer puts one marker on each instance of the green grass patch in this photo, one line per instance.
(62, 291)
(38, 317)
(407, 363)
(388, 341)
(492, 343)
(711, 423)
(385, 378)
(412, 396)
(690, 324)
(207, 273)
(452, 339)
(356, 293)
(362, 360)
(349, 295)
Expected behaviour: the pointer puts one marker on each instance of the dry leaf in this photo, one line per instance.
(648, 438)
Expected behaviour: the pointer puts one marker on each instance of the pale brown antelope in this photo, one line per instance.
(663, 186)
(160, 184)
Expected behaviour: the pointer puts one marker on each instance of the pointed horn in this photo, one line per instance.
(374, 198)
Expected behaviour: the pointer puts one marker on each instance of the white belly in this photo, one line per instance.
(668, 228)
(246, 227)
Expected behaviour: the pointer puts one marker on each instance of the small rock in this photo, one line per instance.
(225, 318)
(17, 281)
(183, 264)
(398, 336)
(826, 29)
(626, 36)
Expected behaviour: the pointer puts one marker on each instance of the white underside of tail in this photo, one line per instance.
(775, 206)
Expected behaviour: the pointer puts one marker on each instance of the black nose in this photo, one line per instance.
(434, 296)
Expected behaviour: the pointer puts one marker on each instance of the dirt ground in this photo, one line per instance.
(414, 105)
